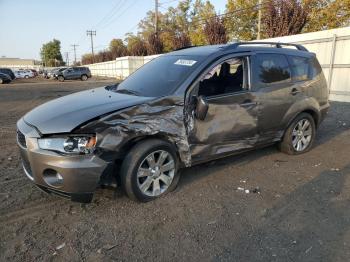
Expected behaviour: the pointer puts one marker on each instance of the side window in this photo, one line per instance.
(300, 67)
(271, 68)
(227, 77)
(315, 68)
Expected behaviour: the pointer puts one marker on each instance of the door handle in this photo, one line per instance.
(295, 91)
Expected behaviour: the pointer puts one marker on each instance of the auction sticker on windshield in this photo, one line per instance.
(185, 62)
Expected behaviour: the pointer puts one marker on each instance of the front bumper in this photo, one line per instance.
(72, 176)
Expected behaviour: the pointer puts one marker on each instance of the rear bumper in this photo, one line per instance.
(323, 112)
(72, 176)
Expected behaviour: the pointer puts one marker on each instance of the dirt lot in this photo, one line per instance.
(301, 214)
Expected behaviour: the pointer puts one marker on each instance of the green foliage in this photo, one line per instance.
(117, 48)
(327, 14)
(195, 22)
(136, 46)
(51, 53)
(242, 19)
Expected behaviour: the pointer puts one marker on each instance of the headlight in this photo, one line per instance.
(69, 144)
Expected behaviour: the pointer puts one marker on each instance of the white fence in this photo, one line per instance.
(332, 48)
(120, 68)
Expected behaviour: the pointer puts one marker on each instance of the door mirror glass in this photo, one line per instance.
(201, 108)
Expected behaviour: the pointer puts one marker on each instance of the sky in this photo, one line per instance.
(30, 23)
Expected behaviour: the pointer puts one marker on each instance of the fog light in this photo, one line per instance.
(52, 178)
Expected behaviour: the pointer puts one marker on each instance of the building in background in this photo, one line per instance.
(17, 63)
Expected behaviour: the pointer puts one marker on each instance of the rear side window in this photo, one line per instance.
(300, 67)
(271, 68)
(315, 68)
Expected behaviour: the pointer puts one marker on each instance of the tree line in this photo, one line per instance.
(196, 22)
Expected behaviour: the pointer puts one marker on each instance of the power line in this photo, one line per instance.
(110, 14)
(120, 14)
(91, 33)
(75, 52)
(156, 16)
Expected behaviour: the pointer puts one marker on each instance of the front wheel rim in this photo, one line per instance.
(156, 173)
(302, 135)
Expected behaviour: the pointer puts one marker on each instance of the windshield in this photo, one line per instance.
(159, 77)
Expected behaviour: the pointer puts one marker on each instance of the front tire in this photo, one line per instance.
(299, 136)
(84, 78)
(60, 78)
(150, 170)
(1, 81)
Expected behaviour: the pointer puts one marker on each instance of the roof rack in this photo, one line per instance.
(277, 44)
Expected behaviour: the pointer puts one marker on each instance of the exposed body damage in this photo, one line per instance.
(163, 117)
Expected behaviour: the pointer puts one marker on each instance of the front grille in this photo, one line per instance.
(21, 139)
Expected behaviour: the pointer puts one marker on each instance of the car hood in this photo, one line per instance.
(64, 114)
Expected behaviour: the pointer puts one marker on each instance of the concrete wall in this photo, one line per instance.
(332, 48)
(120, 68)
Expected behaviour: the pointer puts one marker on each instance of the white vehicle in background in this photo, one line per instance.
(24, 74)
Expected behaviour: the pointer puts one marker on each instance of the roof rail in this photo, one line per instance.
(185, 47)
(277, 44)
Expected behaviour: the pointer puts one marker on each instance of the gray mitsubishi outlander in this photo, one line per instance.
(183, 108)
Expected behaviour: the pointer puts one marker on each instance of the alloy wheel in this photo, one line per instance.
(155, 173)
(302, 135)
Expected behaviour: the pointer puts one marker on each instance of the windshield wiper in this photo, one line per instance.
(127, 91)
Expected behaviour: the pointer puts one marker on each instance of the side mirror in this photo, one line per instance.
(201, 108)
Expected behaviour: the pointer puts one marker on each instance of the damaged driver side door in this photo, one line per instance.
(224, 111)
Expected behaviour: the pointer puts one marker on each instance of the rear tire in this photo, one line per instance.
(299, 136)
(60, 78)
(26, 77)
(84, 77)
(150, 170)
(1, 81)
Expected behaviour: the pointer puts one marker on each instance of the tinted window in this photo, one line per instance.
(315, 68)
(300, 67)
(272, 68)
(160, 76)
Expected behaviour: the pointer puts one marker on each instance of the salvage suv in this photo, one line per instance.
(182, 108)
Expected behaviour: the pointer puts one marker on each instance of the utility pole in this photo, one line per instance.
(91, 33)
(156, 16)
(75, 53)
(67, 58)
(259, 19)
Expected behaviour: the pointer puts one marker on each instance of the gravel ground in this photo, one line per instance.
(301, 213)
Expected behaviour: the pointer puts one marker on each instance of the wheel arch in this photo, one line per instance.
(126, 147)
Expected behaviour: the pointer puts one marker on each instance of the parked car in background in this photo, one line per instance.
(8, 71)
(4, 78)
(58, 71)
(181, 109)
(74, 73)
(35, 73)
(24, 74)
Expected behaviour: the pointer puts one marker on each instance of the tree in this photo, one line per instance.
(241, 21)
(136, 45)
(87, 59)
(201, 13)
(117, 48)
(155, 45)
(181, 40)
(215, 32)
(327, 14)
(51, 53)
(284, 17)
